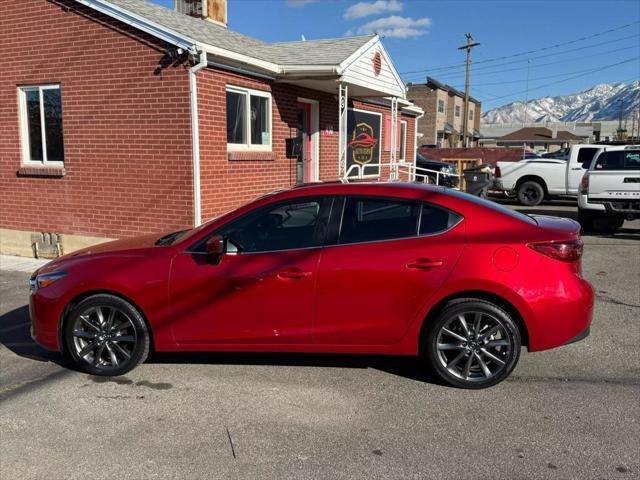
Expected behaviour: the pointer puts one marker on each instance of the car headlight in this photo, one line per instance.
(45, 279)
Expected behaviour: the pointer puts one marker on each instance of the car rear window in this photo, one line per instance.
(377, 219)
(618, 160)
(491, 205)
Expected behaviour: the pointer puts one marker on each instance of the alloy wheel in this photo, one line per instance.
(104, 337)
(474, 346)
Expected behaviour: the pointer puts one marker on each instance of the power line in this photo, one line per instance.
(490, 67)
(564, 60)
(531, 79)
(519, 54)
(567, 79)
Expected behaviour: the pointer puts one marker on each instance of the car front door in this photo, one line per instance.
(391, 256)
(261, 291)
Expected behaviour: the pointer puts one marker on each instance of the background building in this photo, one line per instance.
(443, 121)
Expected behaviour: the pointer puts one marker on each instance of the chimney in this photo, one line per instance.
(554, 130)
(213, 10)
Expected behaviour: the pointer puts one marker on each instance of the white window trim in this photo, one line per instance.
(24, 126)
(444, 107)
(380, 143)
(315, 135)
(403, 151)
(248, 147)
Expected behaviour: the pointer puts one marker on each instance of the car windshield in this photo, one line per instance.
(492, 205)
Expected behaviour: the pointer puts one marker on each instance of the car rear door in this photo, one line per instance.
(388, 258)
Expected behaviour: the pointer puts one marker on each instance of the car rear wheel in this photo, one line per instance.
(473, 344)
(530, 193)
(106, 335)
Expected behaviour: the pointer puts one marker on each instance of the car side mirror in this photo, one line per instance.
(216, 247)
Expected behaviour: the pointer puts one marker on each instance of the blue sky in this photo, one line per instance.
(422, 37)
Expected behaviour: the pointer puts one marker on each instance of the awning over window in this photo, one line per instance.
(448, 129)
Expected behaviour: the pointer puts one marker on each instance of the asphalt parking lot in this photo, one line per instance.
(573, 412)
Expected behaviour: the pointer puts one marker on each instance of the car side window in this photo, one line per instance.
(585, 156)
(370, 220)
(287, 225)
(619, 160)
(435, 219)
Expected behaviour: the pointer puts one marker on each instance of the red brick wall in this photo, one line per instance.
(127, 133)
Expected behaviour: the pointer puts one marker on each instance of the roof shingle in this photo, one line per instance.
(311, 52)
(530, 134)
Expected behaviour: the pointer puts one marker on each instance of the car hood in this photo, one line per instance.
(125, 246)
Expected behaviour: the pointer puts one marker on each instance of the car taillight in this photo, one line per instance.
(584, 185)
(569, 251)
(497, 173)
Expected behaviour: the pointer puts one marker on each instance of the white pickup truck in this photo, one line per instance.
(531, 180)
(610, 189)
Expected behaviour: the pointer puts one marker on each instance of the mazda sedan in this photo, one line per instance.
(385, 268)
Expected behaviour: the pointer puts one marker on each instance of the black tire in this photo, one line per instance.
(442, 359)
(585, 218)
(130, 324)
(530, 193)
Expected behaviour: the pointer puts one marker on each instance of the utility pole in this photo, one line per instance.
(470, 44)
(526, 101)
(620, 131)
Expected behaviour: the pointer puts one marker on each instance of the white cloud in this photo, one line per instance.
(395, 26)
(299, 3)
(365, 9)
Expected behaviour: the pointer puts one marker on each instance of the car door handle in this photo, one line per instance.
(424, 264)
(577, 168)
(294, 273)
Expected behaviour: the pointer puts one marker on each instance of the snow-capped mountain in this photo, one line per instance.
(601, 102)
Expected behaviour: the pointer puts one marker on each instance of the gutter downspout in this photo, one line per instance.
(195, 138)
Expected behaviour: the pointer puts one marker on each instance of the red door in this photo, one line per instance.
(261, 298)
(262, 290)
(304, 115)
(369, 292)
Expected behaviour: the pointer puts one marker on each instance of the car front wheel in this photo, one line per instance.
(473, 344)
(105, 335)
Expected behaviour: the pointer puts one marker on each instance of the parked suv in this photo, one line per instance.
(430, 167)
(610, 189)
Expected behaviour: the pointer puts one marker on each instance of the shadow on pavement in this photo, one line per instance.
(413, 368)
(15, 335)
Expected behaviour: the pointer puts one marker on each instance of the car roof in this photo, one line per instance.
(367, 188)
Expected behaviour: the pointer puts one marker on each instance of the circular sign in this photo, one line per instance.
(377, 63)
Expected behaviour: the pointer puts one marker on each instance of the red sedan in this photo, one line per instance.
(393, 268)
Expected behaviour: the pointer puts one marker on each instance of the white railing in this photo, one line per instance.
(413, 172)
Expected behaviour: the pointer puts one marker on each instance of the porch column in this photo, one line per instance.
(343, 108)
(393, 156)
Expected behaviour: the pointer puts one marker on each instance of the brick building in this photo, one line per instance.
(443, 123)
(121, 117)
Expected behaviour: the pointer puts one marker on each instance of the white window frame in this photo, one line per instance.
(247, 146)
(471, 113)
(403, 134)
(24, 125)
(441, 102)
(456, 110)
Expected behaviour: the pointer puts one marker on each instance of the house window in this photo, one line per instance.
(41, 124)
(470, 114)
(248, 119)
(457, 110)
(441, 106)
(403, 140)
